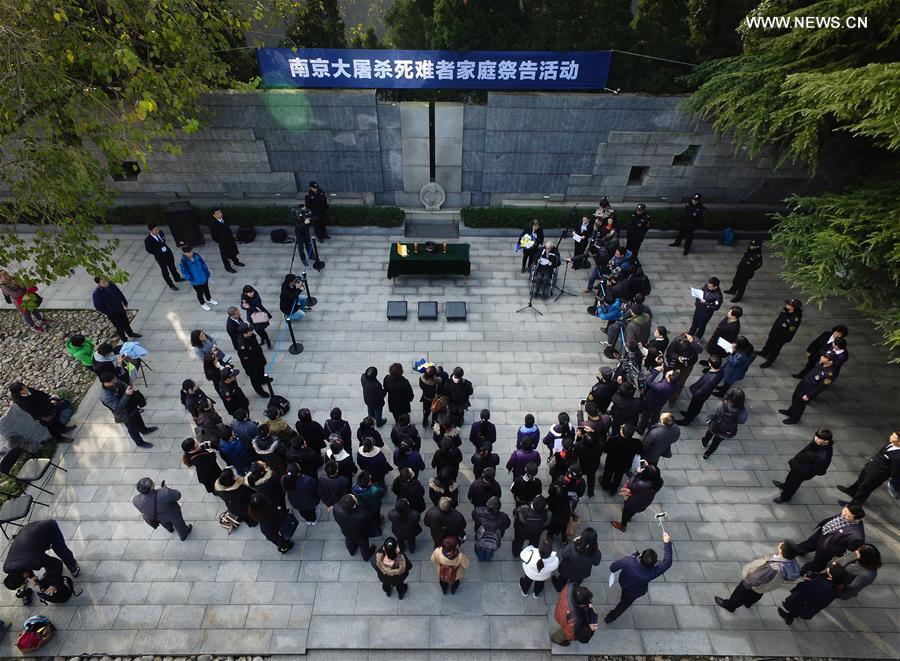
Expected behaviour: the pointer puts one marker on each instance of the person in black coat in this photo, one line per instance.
(526, 486)
(590, 441)
(814, 459)
(813, 384)
(399, 391)
(750, 263)
(681, 355)
(447, 458)
(637, 229)
(405, 432)
(833, 537)
(621, 449)
(28, 553)
(332, 485)
(602, 392)
(483, 459)
(443, 520)
(310, 430)
(626, 408)
(392, 567)
(317, 202)
(483, 430)
(355, 524)
(220, 232)
(535, 241)
(302, 491)
(705, 308)
(701, 390)
(484, 488)
(822, 344)
(884, 465)
(782, 331)
(577, 559)
(727, 329)
(155, 244)
(254, 361)
(458, 390)
(235, 494)
(405, 524)
(234, 326)
(308, 459)
(373, 395)
(42, 407)
(529, 521)
(233, 397)
(203, 460)
(407, 486)
(690, 222)
(810, 597)
(270, 519)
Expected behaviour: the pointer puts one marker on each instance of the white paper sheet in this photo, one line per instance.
(697, 293)
(725, 344)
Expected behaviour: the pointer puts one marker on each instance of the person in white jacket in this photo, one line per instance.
(538, 564)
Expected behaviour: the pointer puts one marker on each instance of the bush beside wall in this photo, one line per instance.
(261, 216)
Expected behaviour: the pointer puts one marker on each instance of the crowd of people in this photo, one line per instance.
(268, 471)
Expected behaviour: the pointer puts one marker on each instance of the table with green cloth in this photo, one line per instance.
(454, 262)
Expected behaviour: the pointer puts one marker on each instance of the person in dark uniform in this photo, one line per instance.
(833, 537)
(602, 392)
(706, 307)
(782, 331)
(254, 361)
(811, 597)
(692, 221)
(155, 244)
(637, 229)
(750, 263)
(818, 347)
(529, 242)
(885, 464)
(814, 459)
(221, 233)
(317, 202)
(809, 388)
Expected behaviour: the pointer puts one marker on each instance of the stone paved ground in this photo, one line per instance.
(147, 593)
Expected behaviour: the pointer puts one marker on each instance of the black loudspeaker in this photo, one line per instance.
(428, 310)
(396, 310)
(455, 310)
(245, 233)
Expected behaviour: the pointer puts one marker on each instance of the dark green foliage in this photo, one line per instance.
(663, 218)
(714, 27)
(476, 25)
(660, 29)
(261, 216)
(315, 24)
(409, 24)
(362, 36)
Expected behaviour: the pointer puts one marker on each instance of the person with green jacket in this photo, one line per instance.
(81, 349)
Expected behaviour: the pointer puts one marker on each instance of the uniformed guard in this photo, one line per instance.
(783, 330)
(815, 381)
(750, 263)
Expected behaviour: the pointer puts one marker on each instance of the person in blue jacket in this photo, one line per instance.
(637, 570)
(196, 272)
(736, 365)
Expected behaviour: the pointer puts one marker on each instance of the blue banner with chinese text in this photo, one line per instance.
(415, 69)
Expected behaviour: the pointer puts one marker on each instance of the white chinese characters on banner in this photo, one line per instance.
(404, 69)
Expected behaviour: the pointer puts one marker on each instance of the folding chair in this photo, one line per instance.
(15, 510)
(30, 472)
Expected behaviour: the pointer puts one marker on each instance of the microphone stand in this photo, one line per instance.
(562, 289)
(531, 295)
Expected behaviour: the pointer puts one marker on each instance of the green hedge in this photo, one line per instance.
(261, 216)
(663, 218)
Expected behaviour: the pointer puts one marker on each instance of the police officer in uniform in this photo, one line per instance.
(817, 348)
(782, 331)
(750, 263)
(815, 381)
(692, 221)
(885, 464)
(602, 392)
(637, 229)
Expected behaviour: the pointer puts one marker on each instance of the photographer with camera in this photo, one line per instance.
(292, 302)
(303, 223)
(126, 403)
(634, 325)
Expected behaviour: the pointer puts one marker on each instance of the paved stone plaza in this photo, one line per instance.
(147, 593)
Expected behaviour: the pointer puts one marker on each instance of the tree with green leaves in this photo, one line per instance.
(476, 25)
(577, 24)
(315, 24)
(828, 99)
(660, 29)
(87, 86)
(714, 27)
(363, 36)
(408, 24)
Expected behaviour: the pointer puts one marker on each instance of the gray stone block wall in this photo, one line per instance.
(517, 146)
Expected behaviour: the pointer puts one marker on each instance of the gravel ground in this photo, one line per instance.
(41, 359)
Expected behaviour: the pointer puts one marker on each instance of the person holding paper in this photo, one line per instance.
(637, 570)
(736, 366)
(581, 236)
(709, 299)
(726, 333)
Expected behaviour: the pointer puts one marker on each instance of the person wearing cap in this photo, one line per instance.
(750, 263)
(782, 331)
(833, 537)
(812, 385)
(637, 229)
(159, 507)
(28, 554)
(317, 202)
(706, 307)
(233, 397)
(392, 567)
(814, 459)
(194, 269)
(690, 222)
(834, 340)
(602, 392)
(220, 232)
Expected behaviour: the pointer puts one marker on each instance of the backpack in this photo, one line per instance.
(64, 592)
(727, 423)
(639, 282)
(279, 404)
(36, 631)
(280, 236)
(728, 236)
(487, 539)
(246, 233)
(329, 427)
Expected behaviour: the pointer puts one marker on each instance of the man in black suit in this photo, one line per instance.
(823, 343)
(317, 202)
(155, 244)
(221, 233)
(833, 537)
(814, 459)
(885, 464)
